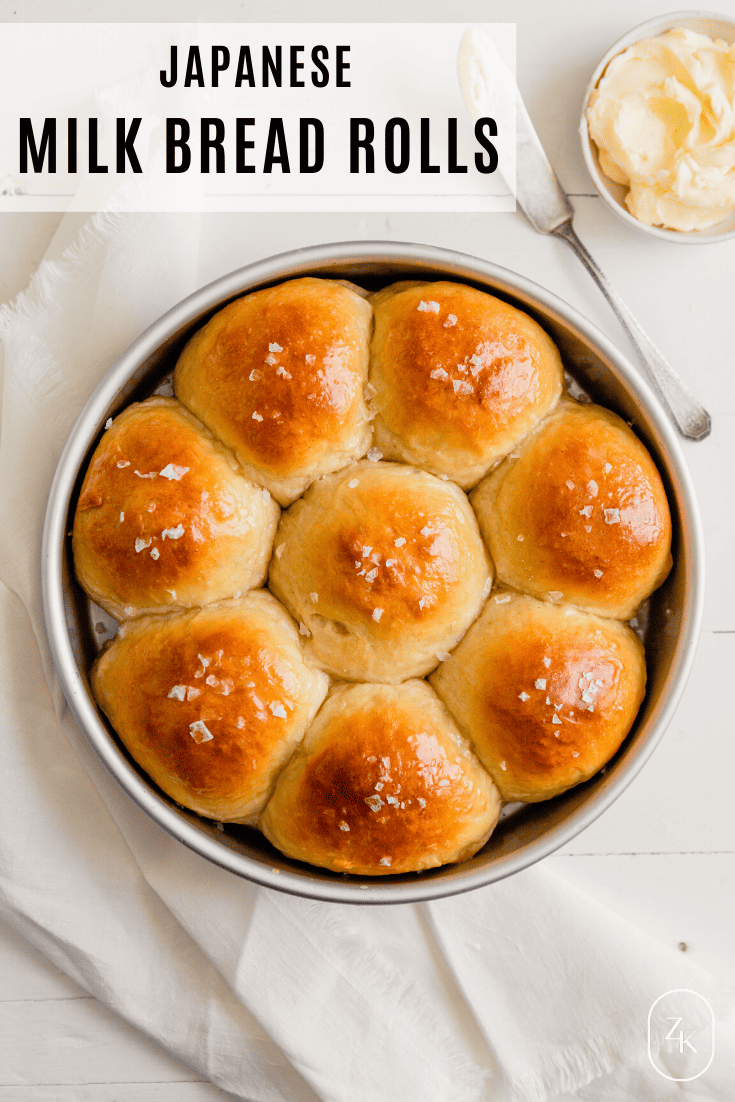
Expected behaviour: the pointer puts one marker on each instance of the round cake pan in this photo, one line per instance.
(525, 834)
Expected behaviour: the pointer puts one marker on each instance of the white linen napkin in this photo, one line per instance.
(520, 992)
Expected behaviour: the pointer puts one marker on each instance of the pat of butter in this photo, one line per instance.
(663, 120)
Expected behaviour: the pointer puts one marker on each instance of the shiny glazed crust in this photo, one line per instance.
(545, 693)
(211, 703)
(460, 376)
(384, 567)
(278, 376)
(382, 783)
(581, 514)
(165, 519)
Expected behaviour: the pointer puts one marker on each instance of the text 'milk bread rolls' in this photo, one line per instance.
(211, 702)
(278, 376)
(545, 693)
(581, 515)
(382, 783)
(460, 376)
(384, 568)
(165, 518)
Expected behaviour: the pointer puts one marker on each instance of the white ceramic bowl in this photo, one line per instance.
(703, 22)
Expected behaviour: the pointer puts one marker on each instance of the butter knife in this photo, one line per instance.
(489, 88)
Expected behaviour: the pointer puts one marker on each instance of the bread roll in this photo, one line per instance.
(460, 376)
(211, 703)
(545, 693)
(279, 375)
(581, 515)
(384, 568)
(165, 519)
(382, 783)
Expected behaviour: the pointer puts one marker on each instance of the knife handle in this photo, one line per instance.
(693, 422)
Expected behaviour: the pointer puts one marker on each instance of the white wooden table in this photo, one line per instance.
(664, 854)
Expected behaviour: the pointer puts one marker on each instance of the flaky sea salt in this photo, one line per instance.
(257, 417)
(429, 307)
(555, 719)
(353, 482)
(374, 455)
(173, 472)
(108, 423)
(612, 516)
(277, 708)
(502, 598)
(438, 373)
(546, 661)
(385, 861)
(311, 360)
(177, 693)
(592, 487)
(155, 553)
(524, 697)
(377, 613)
(273, 347)
(586, 512)
(173, 533)
(200, 732)
(374, 802)
(121, 463)
(540, 682)
(399, 542)
(451, 320)
(140, 545)
(598, 573)
(343, 825)
(255, 375)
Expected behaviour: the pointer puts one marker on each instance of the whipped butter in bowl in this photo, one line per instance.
(658, 127)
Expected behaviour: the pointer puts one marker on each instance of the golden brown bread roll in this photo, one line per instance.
(212, 702)
(384, 568)
(382, 783)
(460, 376)
(278, 376)
(545, 693)
(581, 515)
(165, 519)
